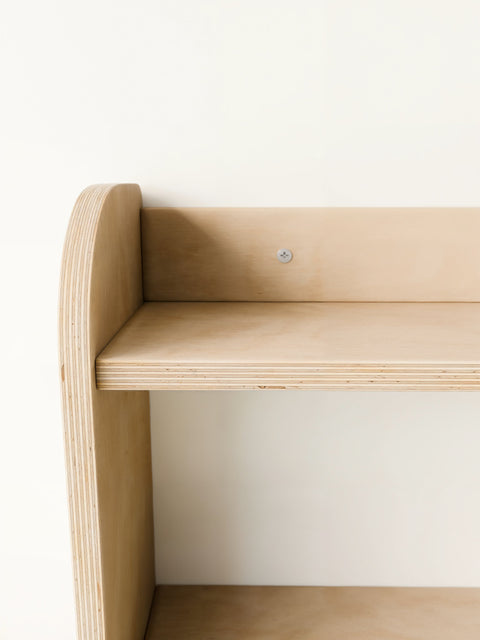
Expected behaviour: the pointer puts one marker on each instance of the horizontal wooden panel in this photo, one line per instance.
(308, 345)
(355, 254)
(314, 613)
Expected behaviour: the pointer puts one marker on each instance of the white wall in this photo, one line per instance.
(248, 102)
(317, 488)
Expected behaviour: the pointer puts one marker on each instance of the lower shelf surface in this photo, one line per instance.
(314, 613)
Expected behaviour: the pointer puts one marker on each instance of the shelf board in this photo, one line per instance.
(295, 345)
(314, 613)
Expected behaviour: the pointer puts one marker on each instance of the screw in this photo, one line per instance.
(284, 255)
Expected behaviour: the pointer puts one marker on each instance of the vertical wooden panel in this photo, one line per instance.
(107, 434)
(339, 254)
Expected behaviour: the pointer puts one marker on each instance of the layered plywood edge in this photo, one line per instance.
(195, 299)
(107, 435)
(281, 345)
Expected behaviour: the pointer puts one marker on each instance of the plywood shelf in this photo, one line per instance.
(373, 298)
(242, 345)
(314, 613)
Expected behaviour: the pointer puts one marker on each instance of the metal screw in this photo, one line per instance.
(284, 255)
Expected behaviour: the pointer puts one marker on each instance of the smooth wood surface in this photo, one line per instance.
(314, 613)
(388, 257)
(295, 345)
(107, 435)
(355, 254)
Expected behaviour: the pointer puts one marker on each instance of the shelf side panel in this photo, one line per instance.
(107, 434)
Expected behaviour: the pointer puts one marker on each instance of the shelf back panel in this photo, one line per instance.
(339, 254)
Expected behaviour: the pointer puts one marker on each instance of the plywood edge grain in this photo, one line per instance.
(289, 345)
(100, 289)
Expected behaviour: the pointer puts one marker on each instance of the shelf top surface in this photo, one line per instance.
(296, 338)
(300, 332)
(313, 613)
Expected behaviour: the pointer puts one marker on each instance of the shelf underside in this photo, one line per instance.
(314, 613)
(301, 345)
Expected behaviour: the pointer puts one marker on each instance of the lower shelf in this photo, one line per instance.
(314, 613)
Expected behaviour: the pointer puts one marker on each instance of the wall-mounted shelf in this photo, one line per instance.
(197, 299)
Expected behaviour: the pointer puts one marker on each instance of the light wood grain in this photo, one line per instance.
(314, 613)
(339, 254)
(241, 345)
(106, 434)
(388, 257)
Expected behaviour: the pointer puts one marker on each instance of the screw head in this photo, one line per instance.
(284, 255)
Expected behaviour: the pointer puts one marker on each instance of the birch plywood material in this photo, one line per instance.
(295, 345)
(314, 613)
(107, 434)
(373, 299)
(360, 255)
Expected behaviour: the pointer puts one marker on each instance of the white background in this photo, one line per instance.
(248, 102)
